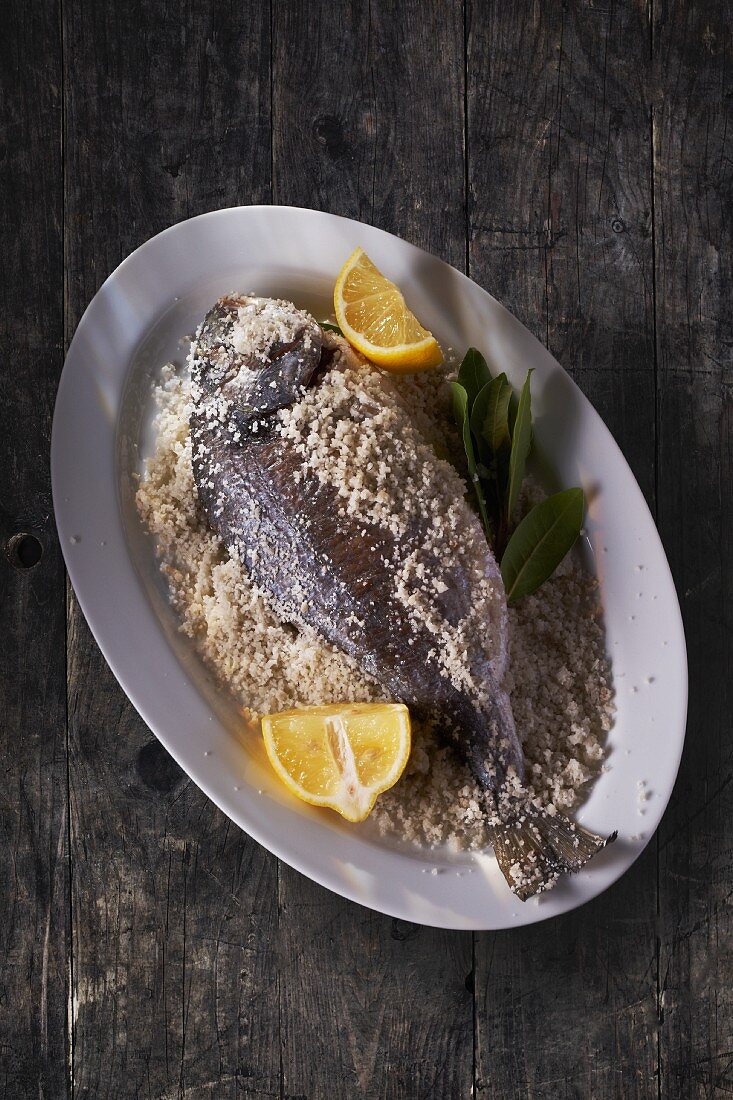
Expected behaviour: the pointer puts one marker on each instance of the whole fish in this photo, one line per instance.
(310, 467)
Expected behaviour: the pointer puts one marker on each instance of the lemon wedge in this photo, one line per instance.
(340, 756)
(374, 318)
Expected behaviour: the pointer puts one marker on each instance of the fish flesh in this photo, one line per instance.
(311, 469)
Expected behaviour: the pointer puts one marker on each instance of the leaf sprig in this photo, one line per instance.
(496, 430)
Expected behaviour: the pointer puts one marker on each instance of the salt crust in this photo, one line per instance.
(262, 322)
(558, 674)
(356, 431)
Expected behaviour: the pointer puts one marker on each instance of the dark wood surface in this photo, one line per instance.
(577, 160)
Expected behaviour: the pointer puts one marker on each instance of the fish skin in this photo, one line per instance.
(329, 574)
(326, 570)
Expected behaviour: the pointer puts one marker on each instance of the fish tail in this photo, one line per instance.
(534, 847)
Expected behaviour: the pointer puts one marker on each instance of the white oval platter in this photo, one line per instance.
(139, 320)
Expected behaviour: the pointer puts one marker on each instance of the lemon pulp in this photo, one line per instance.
(373, 316)
(340, 756)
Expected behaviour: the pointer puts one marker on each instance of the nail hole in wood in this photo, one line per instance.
(404, 929)
(24, 551)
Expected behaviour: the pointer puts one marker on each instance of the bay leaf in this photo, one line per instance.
(490, 422)
(473, 374)
(540, 543)
(461, 413)
(521, 444)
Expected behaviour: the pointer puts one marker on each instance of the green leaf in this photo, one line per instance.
(460, 402)
(473, 374)
(490, 420)
(512, 412)
(540, 542)
(521, 443)
(330, 328)
(460, 411)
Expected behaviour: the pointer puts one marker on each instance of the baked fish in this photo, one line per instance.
(312, 470)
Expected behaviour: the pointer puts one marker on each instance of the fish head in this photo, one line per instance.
(258, 354)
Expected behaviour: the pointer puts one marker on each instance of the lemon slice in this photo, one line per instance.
(339, 756)
(373, 316)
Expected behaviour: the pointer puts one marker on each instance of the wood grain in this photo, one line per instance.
(174, 915)
(368, 116)
(367, 122)
(174, 909)
(33, 823)
(693, 198)
(561, 232)
(578, 155)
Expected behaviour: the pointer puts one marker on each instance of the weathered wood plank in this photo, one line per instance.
(167, 116)
(693, 199)
(174, 909)
(371, 1007)
(561, 231)
(34, 939)
(368, 116)
(368, 122)
(175, 913)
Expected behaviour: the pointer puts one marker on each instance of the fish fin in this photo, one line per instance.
(534, 848)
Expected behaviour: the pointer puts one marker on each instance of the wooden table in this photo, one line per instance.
(576, 159)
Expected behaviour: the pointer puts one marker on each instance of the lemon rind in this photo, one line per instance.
(371, 792)
(400, 358)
